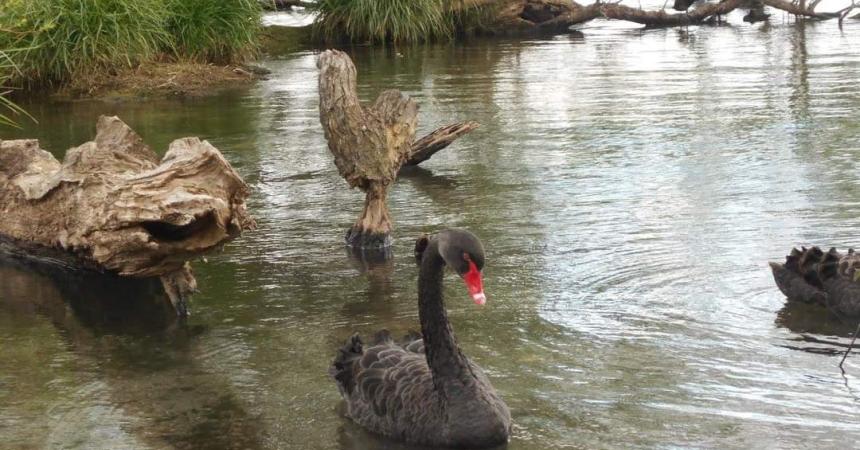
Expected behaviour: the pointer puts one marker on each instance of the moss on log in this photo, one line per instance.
(115, 206)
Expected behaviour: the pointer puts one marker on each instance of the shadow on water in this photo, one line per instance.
(143, 355)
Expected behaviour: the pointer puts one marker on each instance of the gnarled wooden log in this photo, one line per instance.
(371, 143)
(661, 18)
(115, 207)
(556, 16)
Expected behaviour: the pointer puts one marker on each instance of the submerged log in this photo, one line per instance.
(371, 143)
(113, 206)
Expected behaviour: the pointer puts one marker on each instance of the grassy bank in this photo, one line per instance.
(397, 21)
(72, 41)
(383, 20)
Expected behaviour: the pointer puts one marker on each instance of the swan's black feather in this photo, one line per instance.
(811, 275)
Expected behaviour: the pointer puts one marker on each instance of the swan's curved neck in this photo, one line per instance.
(443, 355)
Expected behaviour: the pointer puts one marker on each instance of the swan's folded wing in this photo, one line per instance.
(392, 383)
(795, 287)
(843, 296)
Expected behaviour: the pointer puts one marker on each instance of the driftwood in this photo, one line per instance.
(371, 143)
(113, 206)
(663, 19)
(557, 16)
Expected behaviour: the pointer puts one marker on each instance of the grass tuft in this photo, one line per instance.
(62, 40)
(398, 21)
(7, 69)
(220, 31)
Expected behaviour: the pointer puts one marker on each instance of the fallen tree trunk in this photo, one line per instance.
(113, 206)
(557, 16)
(371, 143)
(663, 19)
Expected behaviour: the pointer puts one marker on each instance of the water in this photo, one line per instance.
(630, 187)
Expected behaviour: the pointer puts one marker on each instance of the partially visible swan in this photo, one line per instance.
(812, 276)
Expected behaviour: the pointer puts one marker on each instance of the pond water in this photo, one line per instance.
(629, 185)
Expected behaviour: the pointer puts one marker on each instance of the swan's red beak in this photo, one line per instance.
(475, 284)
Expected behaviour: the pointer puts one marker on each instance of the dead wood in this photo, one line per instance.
(371, 143)
(661, 18)
(557, 16)
(801, 10)
(116, 207)
(427, 146)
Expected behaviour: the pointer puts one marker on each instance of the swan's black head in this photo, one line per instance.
(462, 252)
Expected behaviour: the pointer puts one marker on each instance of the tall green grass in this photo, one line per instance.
(214, 30)
(60, 39)
(65, 39)
(7, 69)
(399, 21)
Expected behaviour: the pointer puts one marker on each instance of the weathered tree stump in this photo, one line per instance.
(371, 143)
(113, 206)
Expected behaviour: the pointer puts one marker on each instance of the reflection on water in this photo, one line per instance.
(629, 185)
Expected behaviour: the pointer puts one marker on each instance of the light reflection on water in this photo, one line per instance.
(629, 186)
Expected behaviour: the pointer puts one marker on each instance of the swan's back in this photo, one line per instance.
(388, 387)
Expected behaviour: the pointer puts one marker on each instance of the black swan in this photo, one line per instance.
(810, 275)
(425, 391)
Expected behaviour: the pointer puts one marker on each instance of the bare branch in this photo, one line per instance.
(795, 9)
(427, 146)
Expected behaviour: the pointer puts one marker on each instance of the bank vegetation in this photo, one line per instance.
(57, 43)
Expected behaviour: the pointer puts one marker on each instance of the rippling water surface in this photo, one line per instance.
(630, 187)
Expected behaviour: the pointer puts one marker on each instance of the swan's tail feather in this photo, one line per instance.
(815, 265)
(413, 342)
(343, 367)
(382, 337)
(805, 271)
